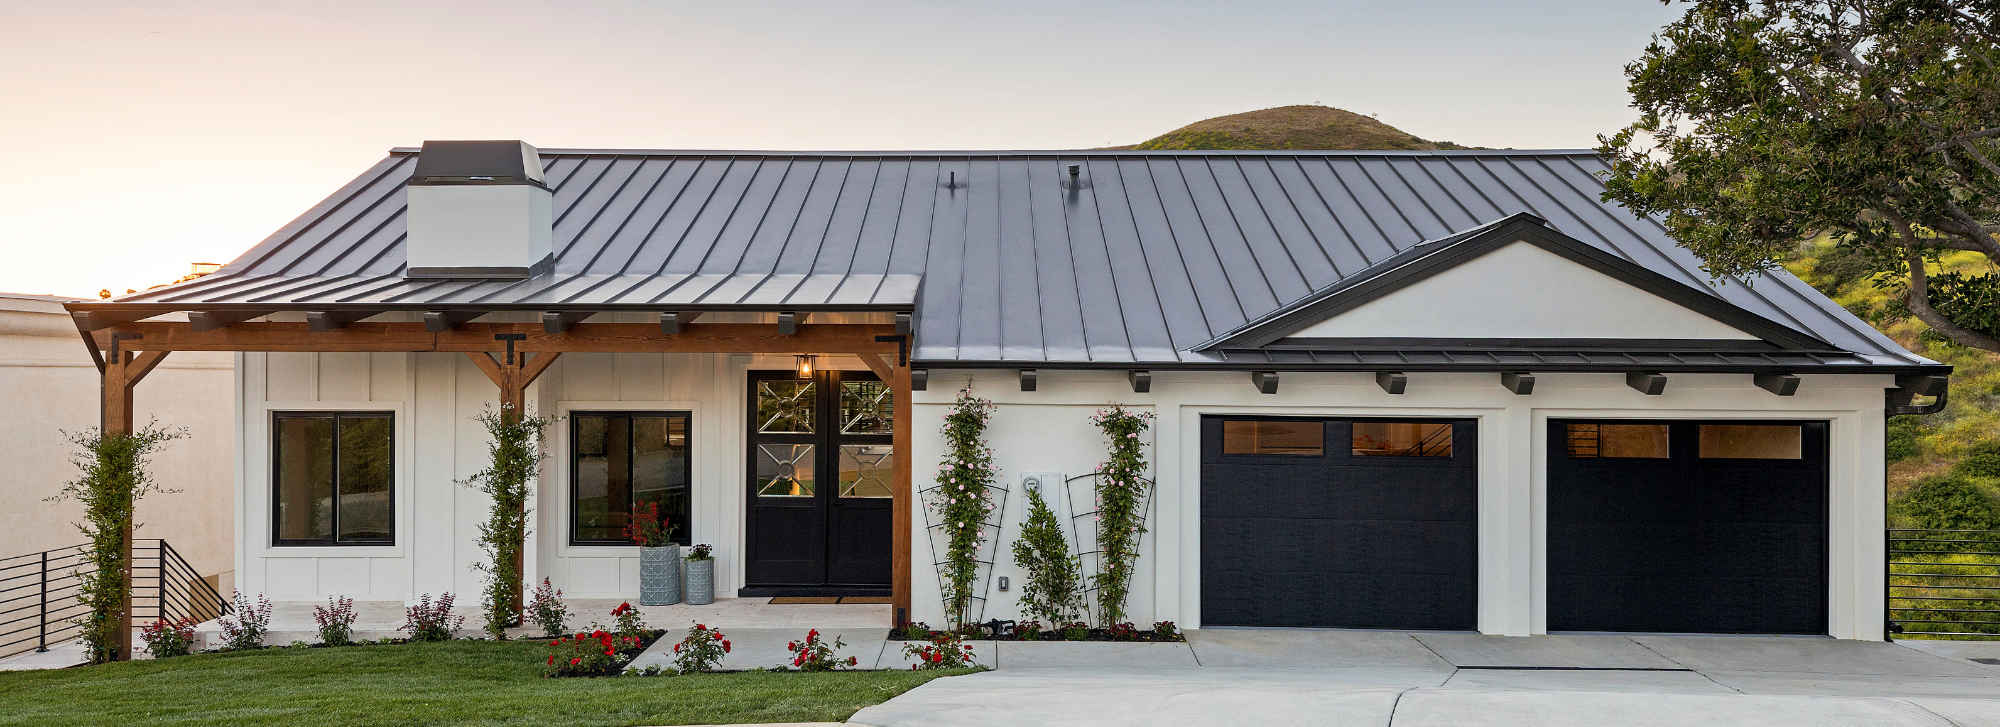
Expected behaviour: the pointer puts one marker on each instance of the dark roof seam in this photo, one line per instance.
(1125, 194)
(563, 214)
(420, 287)
(888, 255)
(1296, 212)
(1697, 283)
(299, 259)
(1214, 245)
(1365, 214)
(750, 240)
(1320, 194)
(1455, 201)
(1390, 202)
(388, 282)
(1174, 238)
(1474, 186)
(620, 228)
(696, 218)
(314, 224)
(1422, 199)
(1075, 274)
(1237, 220)
(665, 212)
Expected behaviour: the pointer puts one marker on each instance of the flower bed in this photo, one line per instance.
(1162, 632)
(597, 653)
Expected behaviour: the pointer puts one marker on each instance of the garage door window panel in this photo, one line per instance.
(1751, 441)
(1274, 437)
(1401, 439)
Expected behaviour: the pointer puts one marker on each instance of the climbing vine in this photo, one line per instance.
(1121, 491)
(516, 454)
(114, 479)
(962, 500)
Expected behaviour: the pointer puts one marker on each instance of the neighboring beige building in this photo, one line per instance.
(49, 386)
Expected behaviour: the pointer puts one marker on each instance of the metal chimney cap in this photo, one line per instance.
(478, 162)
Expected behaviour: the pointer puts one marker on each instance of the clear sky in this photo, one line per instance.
(149, 135)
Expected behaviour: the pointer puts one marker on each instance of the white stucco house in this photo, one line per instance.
(1405, 390)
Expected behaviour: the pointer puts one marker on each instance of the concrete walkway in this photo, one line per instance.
(1248, 677)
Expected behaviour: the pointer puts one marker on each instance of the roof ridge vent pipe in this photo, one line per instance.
(479, 210)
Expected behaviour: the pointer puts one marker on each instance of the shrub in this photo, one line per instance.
(1950, 502)
(1980, 460)
(944, 651)
(629, 623)
(336, 621)
(814, 654)
(1166, 631)
(1053, 588)
(1030, 630)
(594, 653)
(647, 528)
(701, 651)
(1902, 434)
(1074, 631)
(916, 630)
(245, 629)
(1123, 631)
(429, 621)
(547, 610)
(167, 639)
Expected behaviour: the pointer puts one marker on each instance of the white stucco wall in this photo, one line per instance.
(48, 385)
(1048, 430)
(435, 397)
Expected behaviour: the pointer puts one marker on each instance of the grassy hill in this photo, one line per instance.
(1963, 441)
(1291, 127)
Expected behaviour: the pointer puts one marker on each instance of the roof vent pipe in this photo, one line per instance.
(478, 210)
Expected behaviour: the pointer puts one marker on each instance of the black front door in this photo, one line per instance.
(821, 463)
(1678, 526)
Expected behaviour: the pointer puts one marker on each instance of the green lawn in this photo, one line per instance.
(456, 683)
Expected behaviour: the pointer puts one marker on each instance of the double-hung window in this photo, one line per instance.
(333, 478)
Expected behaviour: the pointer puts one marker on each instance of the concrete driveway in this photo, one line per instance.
(1287, 677)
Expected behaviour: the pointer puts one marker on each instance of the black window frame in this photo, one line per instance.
(277, 464)
(684, 533)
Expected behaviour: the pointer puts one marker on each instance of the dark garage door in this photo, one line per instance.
(1687, 527)
(1339, 523)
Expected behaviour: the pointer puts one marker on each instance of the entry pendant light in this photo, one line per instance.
(806, 365)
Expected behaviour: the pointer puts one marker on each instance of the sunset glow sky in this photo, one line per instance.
(150, 135)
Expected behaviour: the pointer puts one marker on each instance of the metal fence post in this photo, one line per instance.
(42, 636)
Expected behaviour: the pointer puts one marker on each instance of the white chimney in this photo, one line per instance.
(478, 209)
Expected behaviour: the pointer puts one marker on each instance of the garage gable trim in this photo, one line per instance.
(1431, 258)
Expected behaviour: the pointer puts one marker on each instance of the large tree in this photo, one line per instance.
(1764, 123)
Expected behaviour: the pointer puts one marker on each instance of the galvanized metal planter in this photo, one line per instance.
(701, 582)
(660, 576)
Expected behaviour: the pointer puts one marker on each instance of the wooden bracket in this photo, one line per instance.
(1265, 381)
(673, 322)
(1393, 382)
(555, 321)
(321, 321)
(1142, 381)
(1650, 384)
(439, 321)
(1519, 382)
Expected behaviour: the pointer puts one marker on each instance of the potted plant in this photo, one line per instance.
(700, 576)
(659, 556)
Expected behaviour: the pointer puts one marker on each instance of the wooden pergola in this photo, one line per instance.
(512, 355)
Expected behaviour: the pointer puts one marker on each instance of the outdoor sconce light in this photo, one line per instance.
(806, 365)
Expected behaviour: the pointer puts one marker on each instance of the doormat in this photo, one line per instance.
(805, 599)
(867, 599)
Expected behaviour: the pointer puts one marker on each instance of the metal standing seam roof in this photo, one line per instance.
(1005, 258)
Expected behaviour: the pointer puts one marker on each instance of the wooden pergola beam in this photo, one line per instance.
(122, 371)
(580, 338)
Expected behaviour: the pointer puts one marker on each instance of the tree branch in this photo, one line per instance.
(1918, 298)
(1948, 143)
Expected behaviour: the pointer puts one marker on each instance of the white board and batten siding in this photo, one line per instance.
(1048, 431)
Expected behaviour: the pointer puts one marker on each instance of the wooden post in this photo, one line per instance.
(899, 568)
(513, 375)
(122, 371)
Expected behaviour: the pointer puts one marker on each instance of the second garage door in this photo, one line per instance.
(1711, 527)
(1339, 523)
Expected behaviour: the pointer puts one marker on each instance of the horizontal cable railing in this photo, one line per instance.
(1944, 583)
(38, 594)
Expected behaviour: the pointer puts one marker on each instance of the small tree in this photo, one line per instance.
(113, 481)
(1763, 124)
(1949, 502)
(962, 499)
(1121, 492)
(516, 452)
(1053, 590)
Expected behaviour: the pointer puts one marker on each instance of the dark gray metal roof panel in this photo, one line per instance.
(1144, 256)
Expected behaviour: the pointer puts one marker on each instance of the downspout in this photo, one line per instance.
(1896, 402)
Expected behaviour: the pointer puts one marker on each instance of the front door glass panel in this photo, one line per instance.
(806, 532)
(785, 470)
